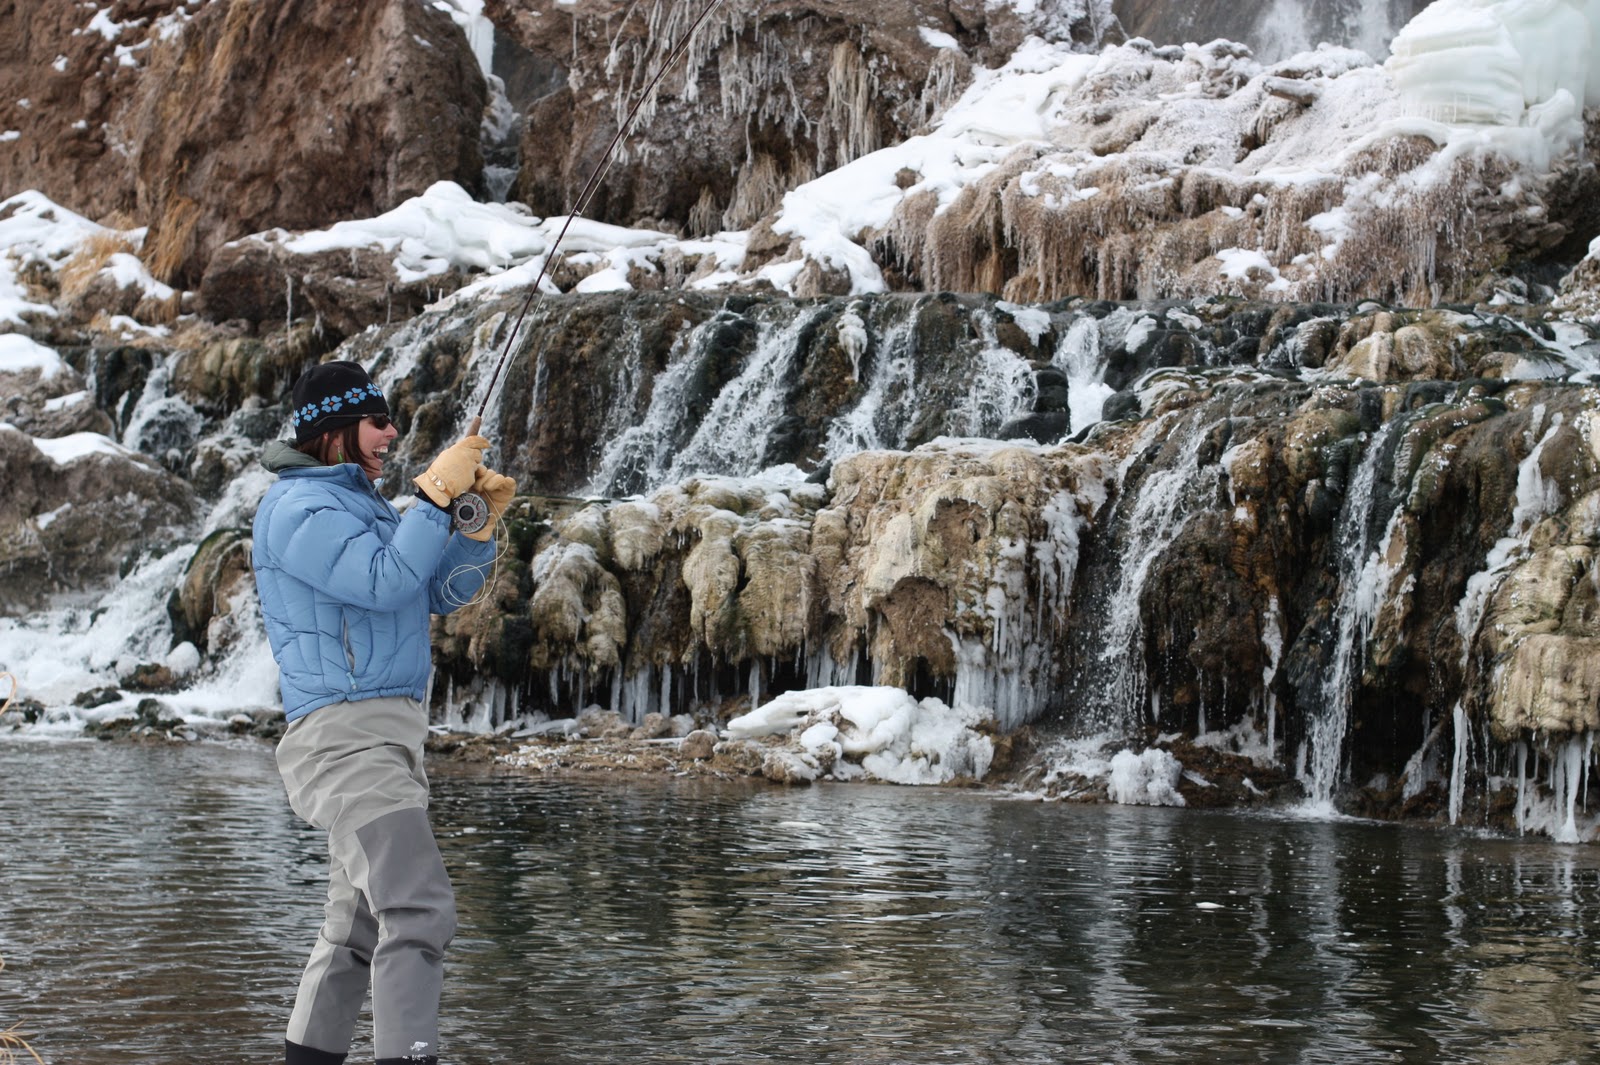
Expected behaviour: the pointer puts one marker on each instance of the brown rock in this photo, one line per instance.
(699, 744)
(771, 95)
(203, 602)
(71, 526)
(237, 117)
(258, 280)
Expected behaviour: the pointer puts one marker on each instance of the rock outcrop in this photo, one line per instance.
(207, 124)
(768, 95)
(81, 512)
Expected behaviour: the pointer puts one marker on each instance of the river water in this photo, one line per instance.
(157, 902)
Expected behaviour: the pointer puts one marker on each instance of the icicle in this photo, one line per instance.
(888, 406)
(853, 338)
(1272, 643)
(1458, 766)
(1565, 771)
(1522, 786)
(1583, 784)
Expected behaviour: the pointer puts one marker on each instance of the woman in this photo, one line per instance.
(347, 585)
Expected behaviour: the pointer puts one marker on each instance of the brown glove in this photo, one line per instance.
(496, 490)
(452, 472)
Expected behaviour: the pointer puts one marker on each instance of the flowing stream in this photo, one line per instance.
(157, 903)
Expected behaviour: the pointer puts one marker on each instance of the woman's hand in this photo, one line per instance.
(453, 471)
(496, 490)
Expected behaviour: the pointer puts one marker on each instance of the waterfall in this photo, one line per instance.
(1275, 29)
(1160, 506)
(1081, 356)
(636, 458)
(732, 438)
(1364, 578)
(879, 419)
(1536, 498)
(1002, 385)
(1287, 27)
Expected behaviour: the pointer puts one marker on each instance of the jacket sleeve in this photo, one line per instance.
(462, 570)
(337, 553)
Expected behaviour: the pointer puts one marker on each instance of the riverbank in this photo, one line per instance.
(1027, 762)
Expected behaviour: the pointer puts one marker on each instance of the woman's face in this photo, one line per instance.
(374, 442)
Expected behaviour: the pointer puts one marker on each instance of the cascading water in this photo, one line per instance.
(1536, 498)
(1364, 577)
(1048, 581)
(637, 457)
(1081, 355)
(732, 438)
(879, 419)
(1276, 29)
(1152, 517)
(1291, 26)
(1002, 385)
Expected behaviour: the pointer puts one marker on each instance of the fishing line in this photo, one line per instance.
(10, 695)
(589, 189)
(469, 510)
(447, 586)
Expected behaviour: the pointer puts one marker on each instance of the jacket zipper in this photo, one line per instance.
(349, 652)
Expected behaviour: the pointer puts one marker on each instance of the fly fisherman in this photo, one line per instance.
(347, 584)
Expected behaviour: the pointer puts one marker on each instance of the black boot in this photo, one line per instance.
(295, 1054)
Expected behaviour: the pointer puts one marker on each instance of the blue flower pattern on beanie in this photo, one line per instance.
(334, 403)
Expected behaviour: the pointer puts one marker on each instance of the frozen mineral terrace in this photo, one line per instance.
(1110, 400)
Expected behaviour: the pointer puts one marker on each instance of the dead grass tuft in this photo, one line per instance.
(119, 219)
(171, 239)
(235, 30)
(85, 264)
(757, 192)
(12, 1044)
(153, 311)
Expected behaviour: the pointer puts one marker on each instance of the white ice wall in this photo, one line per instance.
(1499, 62)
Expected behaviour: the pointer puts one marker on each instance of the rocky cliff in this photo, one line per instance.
(1133, 411)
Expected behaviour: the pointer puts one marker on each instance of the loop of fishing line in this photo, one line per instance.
(447, 591)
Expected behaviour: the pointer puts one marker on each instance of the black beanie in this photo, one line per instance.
(332, 394)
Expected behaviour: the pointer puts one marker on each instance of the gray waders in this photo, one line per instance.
(355, 771)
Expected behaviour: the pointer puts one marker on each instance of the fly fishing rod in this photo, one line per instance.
(470, 510)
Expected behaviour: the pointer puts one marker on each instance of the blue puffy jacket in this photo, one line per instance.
(347, 584)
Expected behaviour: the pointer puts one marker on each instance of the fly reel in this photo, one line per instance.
(470, 512)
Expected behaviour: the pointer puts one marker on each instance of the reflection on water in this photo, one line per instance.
(157, 904)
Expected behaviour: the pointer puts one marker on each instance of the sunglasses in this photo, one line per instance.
(380, 422)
